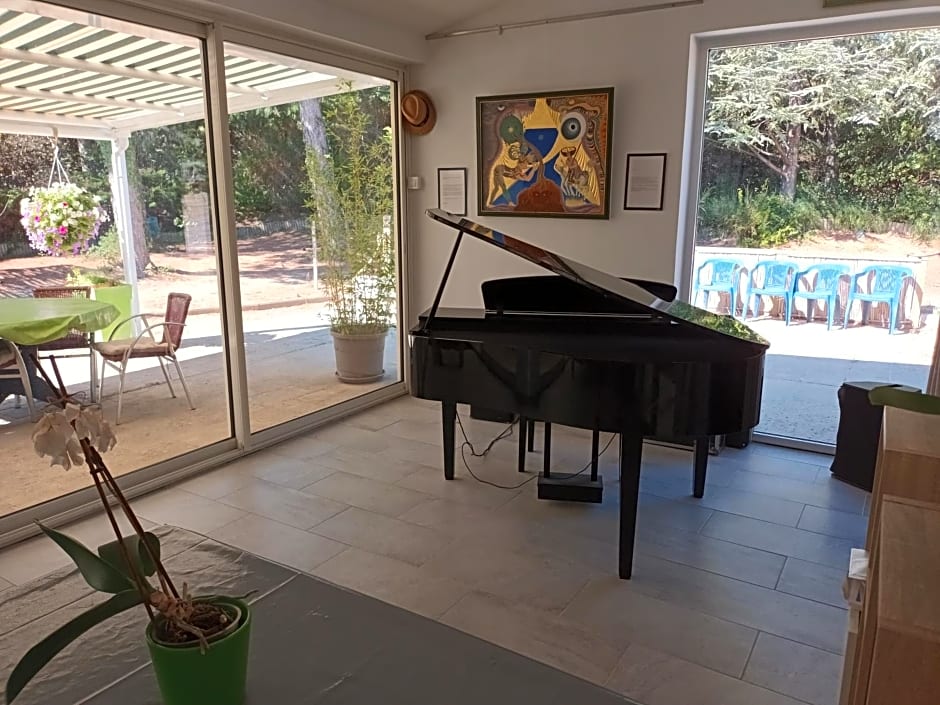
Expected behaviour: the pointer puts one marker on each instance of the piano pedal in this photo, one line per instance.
(568, 487)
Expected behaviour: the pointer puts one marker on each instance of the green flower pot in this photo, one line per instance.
(217, 677)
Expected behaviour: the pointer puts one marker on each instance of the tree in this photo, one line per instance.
(768, 100)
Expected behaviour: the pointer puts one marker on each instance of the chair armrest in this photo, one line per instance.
(149, 330)
(120, 323)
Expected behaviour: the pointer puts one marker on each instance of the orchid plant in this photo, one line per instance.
(62, 218)
(72, 434)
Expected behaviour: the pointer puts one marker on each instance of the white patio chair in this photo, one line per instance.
(12, 366)
(117, 353)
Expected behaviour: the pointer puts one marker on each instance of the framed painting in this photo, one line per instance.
(545, 154)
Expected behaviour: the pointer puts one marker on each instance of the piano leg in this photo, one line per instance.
(530, 432)
(523, 433)
(701, 466)
(595, 453)
(547, 450)
(631, 455)
(448, 421)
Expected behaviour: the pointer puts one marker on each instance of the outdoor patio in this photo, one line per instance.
(290, 373)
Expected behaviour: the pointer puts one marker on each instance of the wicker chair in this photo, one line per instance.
(117, 353)
(74, 340)
(12, 366)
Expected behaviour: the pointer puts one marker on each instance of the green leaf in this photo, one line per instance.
(98, 573)
(137, 550)
(911, 401)
(47, 649)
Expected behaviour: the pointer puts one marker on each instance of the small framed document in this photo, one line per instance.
(452, 190)
(646, 182)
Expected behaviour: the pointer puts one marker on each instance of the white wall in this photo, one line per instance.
(644, 56)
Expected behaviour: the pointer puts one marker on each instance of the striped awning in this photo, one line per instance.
(91, 76)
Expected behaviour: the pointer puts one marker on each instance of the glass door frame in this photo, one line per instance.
(213, 28)
(694, 138)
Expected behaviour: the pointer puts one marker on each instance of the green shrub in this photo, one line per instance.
(108, 249)
(758, 218)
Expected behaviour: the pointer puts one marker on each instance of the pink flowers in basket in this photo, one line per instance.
(61, 218)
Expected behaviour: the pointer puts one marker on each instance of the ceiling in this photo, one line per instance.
(424, 16)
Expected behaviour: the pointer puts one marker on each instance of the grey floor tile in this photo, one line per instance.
(723, 557)
(796, 670)
(304, 448)
(654, 678)
(364, 493)
(753, 606)
(730, 500)
(784, 540)
(393, 581)
(452, 518)
(834, 495)
(297, 508)
(384, 535)
(770, 465)
(813, 581)
(654, 511)
(376, 466)
(218, 483)
(621, 615)
(281, 543)
(521, 575)
(558, 642)
(832, 522)
(294, 473)
(463, 488)
(186, 510)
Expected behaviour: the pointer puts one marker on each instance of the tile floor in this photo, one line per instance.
(735, 598)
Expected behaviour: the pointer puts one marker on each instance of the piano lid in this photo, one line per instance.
(601, 282)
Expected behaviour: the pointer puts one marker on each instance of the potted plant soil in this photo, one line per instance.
(198, 643)
(350, 187)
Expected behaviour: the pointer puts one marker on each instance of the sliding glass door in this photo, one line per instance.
(245, 209)
(314, 192)
(106, 112)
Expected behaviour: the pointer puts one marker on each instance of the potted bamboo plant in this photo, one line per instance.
(198, 644)
(350, 187)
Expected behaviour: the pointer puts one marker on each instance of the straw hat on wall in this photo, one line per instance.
(417, 113)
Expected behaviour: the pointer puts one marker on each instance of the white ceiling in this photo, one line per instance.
(424, 16)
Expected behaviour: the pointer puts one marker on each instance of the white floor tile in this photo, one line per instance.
(796, 670)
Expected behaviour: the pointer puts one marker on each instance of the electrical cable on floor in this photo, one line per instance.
(506, 433)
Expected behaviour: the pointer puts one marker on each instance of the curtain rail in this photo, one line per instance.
(500, 28)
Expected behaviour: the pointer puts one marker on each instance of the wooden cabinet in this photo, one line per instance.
(897, 653)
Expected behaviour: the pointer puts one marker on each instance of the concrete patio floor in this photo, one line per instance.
(807, 364)
(290, 374)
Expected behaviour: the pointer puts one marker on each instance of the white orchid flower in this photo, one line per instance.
(58, 434)
(55, 437)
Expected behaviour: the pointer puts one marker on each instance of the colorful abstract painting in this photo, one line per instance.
(545, 154)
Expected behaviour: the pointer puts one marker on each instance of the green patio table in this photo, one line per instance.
(27, 321)
(30, 322)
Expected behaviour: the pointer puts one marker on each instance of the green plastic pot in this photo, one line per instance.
(217, 677)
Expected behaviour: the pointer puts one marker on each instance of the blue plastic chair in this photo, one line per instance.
(822, 282)
(725, 278)
(886, 282)
(777, 280)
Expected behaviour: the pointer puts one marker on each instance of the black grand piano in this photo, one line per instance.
(629, 363)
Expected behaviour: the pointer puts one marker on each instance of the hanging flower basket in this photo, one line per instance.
(61, 218)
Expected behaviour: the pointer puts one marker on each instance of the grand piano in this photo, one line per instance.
(629, 363)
